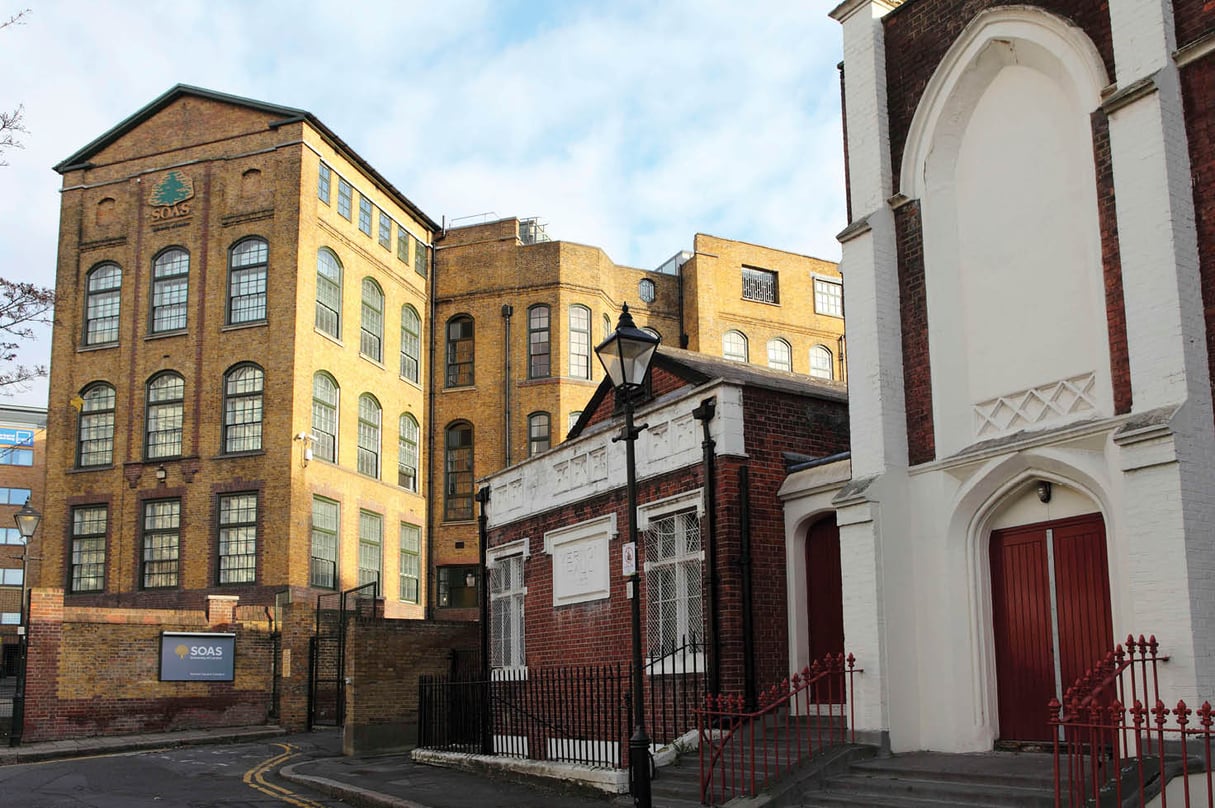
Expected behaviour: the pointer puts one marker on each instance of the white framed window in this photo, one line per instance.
(170, 290)
(385, 232)
(238, 538)
(243, 386)
(411, 343)
(507, 594)
(323, 566)
(407, 452)
(371, 335)
(780, 355)
(324, 178)
(822, 364)
(580, 342)
(102, 304)
(673, 579)
(369, 436)
(734, 346)
(411, 562)
(371, 541)
(325, 394)
(88, 548)
(95, 433)
(329, 293)
(539, 433)
(828, 297)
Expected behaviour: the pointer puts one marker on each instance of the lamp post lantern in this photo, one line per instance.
(626, 355)
(27, 520)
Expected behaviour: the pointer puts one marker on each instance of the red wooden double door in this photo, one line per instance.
(1050, 616)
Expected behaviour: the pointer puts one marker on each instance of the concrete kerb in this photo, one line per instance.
(603, 781)
(115, 744)
(358, 797)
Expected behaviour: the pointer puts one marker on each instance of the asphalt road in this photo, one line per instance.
(236, 776)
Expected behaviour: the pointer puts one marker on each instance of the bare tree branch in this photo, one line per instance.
(22, 305)
(11, 124)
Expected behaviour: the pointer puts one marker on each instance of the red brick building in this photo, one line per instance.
(710, 527)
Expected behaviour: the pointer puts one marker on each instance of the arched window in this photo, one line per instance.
(411, 343)
(607, 327)
(247, 264)
(461, 350)
(328, 293)
(780, 355)
(539, 433)
(369, 436)
(165, 415)
(458, 472)
(96, 428)
(734, 346)
(580, 342)
(243, 386)
(822, 366)
(170, 290)
(103, 301)
(407, 450)
(324, 417)
(371, 338)
(539, 347)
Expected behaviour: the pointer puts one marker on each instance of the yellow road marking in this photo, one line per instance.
(255, 778)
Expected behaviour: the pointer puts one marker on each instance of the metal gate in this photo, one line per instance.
(327, 655)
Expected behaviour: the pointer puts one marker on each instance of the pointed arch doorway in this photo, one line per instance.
(1051, 616)
(824, 595)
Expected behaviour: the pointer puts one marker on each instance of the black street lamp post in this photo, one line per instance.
(27, 522)
(626, 355)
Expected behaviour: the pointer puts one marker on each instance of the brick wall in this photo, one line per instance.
(1194, 19)
(913, 315)
(384, 660)
(1111, 259)
(1198, 87)
(599, 631)
(97, 672)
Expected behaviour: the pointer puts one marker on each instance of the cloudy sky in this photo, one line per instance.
(627, 125)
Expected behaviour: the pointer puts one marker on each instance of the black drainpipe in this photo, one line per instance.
(507, 311)
(704, 413)
(744, 562)
(429, 429)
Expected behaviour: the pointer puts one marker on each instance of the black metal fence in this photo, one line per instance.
(579, 714)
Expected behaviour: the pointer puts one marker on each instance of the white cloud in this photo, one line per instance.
(627, 125)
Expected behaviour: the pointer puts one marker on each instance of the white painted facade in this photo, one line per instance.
(999, 158)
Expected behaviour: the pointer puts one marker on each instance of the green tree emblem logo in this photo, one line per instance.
(175, 187)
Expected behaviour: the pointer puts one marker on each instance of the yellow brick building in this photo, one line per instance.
(272, 372)
(503, 283)
(228, 386)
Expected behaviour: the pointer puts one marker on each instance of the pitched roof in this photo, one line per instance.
(698, 369)
(286, 115)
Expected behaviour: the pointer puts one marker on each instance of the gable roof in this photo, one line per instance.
(698, 369)
(285, 115)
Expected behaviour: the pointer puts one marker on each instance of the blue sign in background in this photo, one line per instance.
(187, 657)
(16, 437)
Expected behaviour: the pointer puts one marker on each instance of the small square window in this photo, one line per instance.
(828, 298)
(385, 231)
(365, 215)
(345, 198)
(322, 183)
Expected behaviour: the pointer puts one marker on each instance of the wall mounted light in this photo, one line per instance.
(1043, 490)
(470, 580)
(162, 474)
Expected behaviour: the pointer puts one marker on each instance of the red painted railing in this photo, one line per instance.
(1118, 743)
(742, 751)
